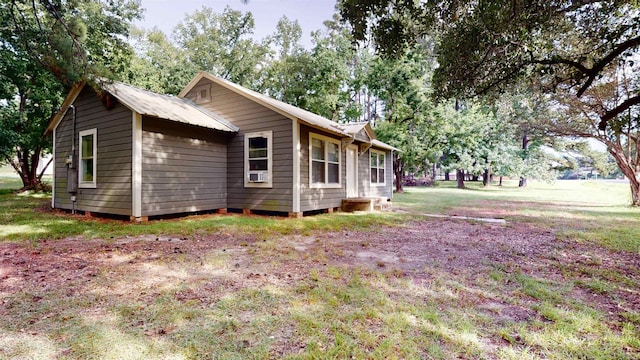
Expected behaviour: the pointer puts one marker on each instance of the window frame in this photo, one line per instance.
(269, 136)
(325, 184)
(378, 167)
(197, 94)
(94, 156)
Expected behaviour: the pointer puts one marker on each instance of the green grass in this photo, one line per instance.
(587, 211)
(260, 298)
(27, 216)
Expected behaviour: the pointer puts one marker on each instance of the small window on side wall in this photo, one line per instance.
(88, 141)
(377, 168)
(258, 159)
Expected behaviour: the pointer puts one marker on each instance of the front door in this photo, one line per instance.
(352, 171)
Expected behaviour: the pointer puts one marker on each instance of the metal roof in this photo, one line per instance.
(382, 145)
(166, 107)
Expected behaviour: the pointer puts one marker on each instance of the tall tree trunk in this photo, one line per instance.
(500, 184)
(447, 177)
(434, 171)
(460, 178)
(628, 163)
(397, 170)
(27, 168)
(525, 151)
(486, 177)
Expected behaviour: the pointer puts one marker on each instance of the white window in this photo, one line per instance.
(258, 159)
(88, 158)
(377, 167)
(325, 169)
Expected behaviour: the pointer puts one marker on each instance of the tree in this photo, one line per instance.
(401, 86)
(490, 45)
(221, 44)
(288, 72)
(582, 118)
(159, 65)
(45, 47)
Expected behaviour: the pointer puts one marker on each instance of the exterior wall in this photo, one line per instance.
(318, 198)
(184, 168)
(365, 188)
(253, 117)
(112, 194)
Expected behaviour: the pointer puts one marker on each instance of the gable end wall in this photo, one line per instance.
(250, 116)
(112, 194)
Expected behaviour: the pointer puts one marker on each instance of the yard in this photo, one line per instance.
(560, 279)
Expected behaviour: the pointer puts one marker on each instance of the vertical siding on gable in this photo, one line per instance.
(318, 198)
(183, 168)
(250, 116)
(364, 173)
(113, 192)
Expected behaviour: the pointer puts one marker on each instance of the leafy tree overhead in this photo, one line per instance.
(45, 47)
(488, 44)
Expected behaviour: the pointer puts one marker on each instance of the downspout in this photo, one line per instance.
(73, 188)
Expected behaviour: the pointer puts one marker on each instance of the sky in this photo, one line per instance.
(166, 14)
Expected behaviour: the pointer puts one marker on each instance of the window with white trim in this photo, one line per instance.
(258, 150)
(325, 169)
(377, 167)
(88, 141)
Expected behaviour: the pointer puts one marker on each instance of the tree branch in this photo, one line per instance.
(599, 66)
(44, 169)
(604, 119)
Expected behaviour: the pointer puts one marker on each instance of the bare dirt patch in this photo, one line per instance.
(137, 268)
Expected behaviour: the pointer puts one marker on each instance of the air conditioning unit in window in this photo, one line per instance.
(258, 176)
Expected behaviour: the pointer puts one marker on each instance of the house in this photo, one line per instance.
(126, 151)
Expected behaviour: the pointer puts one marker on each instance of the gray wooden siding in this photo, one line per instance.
(184, 168)
(113, 192)
(318, 198)
(252, 117)
(365, 188)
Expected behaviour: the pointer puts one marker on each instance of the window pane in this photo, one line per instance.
(87, 146)
(258, 143)
(317, 172)
(374, 159)
(374, 175)
(380, 160)
(381, 176)
(334, 174)
(317, 149)
(332, 150)
(258, 164)
(261, 153)
(87, 170)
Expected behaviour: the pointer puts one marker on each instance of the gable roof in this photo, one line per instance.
(278, 106)
(355, 128)
(149, 103)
